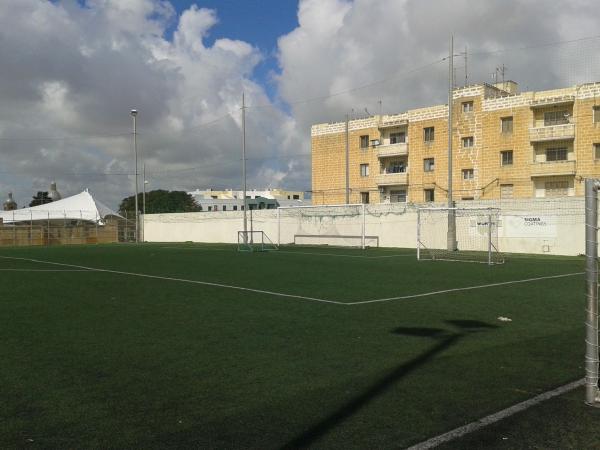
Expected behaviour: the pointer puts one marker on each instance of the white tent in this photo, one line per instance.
(77, 207)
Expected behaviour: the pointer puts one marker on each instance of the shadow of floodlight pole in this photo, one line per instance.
(448, 338)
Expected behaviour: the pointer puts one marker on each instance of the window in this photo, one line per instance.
(467, 142)
(210, 208)
(429, 134)
(296, 196)
(557, 188)
(396, 167)
(364, 197)
(556, 154)
(506, 158)
(364, 170)
(506, 191)
(364, 141)
(597, 151)
(429, 195)
(235, 207)
(397, 138)
(428, 164)
(467, 107)
(216, 208)
(555, 118)
(224, 207)
(506, 124)
(467, 198)
(596, 111)
(398, 196)
(468, 174)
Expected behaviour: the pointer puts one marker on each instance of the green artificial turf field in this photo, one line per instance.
(322, 348)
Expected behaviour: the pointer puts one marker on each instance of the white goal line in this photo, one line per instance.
(496, 417)
(295, 296)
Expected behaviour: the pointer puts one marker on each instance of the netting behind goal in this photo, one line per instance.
(335, 225)
(476, 235)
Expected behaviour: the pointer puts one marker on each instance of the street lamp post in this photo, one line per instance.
(134, 114)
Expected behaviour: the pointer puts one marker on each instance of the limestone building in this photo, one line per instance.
(506, 144)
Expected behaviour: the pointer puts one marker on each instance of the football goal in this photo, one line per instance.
(334, 225)
(476, 235)
(254, 241)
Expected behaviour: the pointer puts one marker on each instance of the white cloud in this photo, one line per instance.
(73, 72)
(340, 45)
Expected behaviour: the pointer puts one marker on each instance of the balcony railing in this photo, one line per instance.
(546, 169)
(552, 133)
(400, 149)
(388, 179)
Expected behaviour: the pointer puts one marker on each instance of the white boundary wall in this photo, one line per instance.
(543, 226)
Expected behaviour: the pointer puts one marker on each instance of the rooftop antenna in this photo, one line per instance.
(466, 71)
(380, 107)
(367, 111)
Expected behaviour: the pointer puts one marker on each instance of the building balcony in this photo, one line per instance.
(553, 168)
(385, 151)
(552, 133)
(389, 179)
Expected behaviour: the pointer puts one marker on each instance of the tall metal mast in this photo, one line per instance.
(451, 238)
(245, 207)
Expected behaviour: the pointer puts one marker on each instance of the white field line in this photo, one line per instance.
(44, 270)
(496, 417)
(467, 288)
(298, 253)
(301, 297)
(182, 280)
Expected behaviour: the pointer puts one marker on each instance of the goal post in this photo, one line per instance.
(254, 241)
(476, 235)
(332, 225)
(592, 393)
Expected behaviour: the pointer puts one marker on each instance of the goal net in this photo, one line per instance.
(334, 225)
(476, 235)
(254, 241)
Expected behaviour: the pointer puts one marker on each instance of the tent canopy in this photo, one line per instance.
(77, 207)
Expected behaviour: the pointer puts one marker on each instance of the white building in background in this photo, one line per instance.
(232, 200)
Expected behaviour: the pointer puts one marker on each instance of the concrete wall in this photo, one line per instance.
(542, 226)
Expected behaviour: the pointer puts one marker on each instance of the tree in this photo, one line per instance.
(41, 198)
(159, 201)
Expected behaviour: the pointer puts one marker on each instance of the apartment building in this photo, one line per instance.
(506, 144)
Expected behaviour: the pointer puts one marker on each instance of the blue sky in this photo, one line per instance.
(258, 22)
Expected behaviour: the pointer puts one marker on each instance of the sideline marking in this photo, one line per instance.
(183, 280)
(44, 270)
(496, 417)
(301, 297)
(467, 288)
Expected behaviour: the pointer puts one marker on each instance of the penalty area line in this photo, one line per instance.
(181, 280)
(496, 417)
(466, 288)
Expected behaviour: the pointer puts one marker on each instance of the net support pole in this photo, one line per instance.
(418, 234)
(278, 227)
(489, 240)
(592, 394)
(363, 227)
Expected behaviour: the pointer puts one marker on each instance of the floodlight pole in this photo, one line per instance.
(245, 205)
(592, 393)
(347, 160)
(134, 114)
(451, 238)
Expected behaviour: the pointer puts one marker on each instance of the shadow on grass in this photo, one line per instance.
(445, 339)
